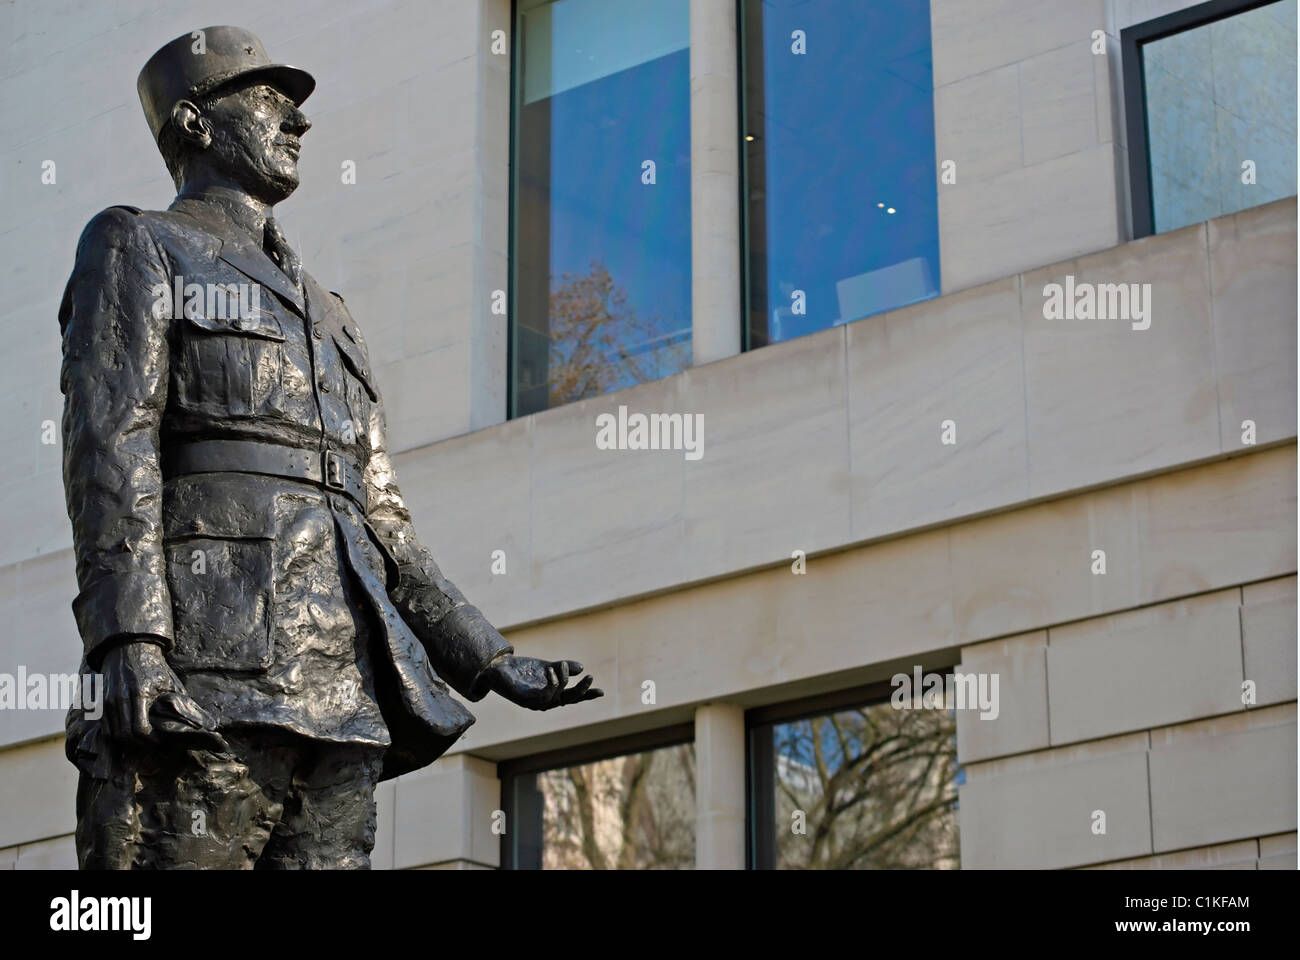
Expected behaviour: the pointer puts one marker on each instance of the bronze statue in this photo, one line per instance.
(274, 639)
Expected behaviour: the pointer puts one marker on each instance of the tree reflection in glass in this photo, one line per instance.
(635, 812)
(876, 787)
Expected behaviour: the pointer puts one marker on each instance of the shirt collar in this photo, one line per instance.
(228, 206)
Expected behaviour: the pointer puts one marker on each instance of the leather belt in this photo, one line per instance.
(325, 468)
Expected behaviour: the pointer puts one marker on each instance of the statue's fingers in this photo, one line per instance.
(180, 707)
(119, 717)
(575, 667)
(578, 692)
(182, 734)
(555, 695)
(138, 724)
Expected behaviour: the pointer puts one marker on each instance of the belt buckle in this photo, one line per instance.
(332, 474)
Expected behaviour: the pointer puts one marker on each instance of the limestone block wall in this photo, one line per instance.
(1139, 715)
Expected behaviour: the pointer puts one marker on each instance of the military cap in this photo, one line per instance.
(197, 63)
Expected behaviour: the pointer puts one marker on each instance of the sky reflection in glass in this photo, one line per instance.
(602, 249)
(842, 201)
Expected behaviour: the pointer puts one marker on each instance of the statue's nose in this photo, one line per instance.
(296, 123)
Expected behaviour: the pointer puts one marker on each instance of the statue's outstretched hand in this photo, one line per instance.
(541, 684)
(145, 702)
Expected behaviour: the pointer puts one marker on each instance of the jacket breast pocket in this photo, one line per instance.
(359, 387)
(231, 364)
(221, 592)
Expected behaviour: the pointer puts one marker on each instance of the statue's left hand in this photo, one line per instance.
(145, 701)
(540, 684)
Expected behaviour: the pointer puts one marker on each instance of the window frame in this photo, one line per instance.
(507, 770)
(760, 795)
(1131, 40)
(744, 63)
(512, 188)
(742, 200)
(516, 54)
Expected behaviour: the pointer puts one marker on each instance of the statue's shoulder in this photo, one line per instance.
(150, 232)
(116, 246)
(117, 225)
(342, 304)
(128, 217)
(117, 217)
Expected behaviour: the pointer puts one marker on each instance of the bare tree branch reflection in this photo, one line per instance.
(598, 342)
(629, 813)
(876, 787)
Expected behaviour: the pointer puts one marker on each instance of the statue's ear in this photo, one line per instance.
(190, 123)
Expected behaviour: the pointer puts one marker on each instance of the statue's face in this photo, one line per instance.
(256, 139)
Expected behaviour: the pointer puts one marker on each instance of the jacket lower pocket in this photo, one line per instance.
(221, 603)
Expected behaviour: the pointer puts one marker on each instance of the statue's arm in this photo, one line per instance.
(114, 382)
(458, 638)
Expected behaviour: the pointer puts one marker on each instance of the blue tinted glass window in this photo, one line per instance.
(1221, 115)
(841, 198)
(869, 788)
(601, 297)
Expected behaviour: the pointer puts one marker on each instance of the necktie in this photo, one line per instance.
(278, 249)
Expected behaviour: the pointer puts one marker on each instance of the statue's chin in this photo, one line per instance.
(275, 187)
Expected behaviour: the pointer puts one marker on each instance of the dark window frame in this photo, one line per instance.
(516, 54)
(1131, 41)
(760, 797)
(512, 187)
(742, 201)
(507, 770)
(752, 276)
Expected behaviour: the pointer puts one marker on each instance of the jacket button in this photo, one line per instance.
(315, 331)
(324, 386)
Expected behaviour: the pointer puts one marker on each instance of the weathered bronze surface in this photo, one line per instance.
(273, 637)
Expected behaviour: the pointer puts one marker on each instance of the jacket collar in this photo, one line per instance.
(239, 250)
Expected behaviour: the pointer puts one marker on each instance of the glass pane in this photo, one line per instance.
(1218, 97)
(871, 788)
(842, 204)
(635, 812)
(602, 201)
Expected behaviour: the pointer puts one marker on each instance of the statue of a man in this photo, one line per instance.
(273, 638)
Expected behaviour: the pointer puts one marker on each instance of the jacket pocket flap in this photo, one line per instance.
(354, 358)
(254, 322)
(220, 507)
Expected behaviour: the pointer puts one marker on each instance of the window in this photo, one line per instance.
(601, 198)
(1210, 100)
(626, 805)
(841, 201)
(853, 787)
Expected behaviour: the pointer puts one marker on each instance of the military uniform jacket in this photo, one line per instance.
(303, 603)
